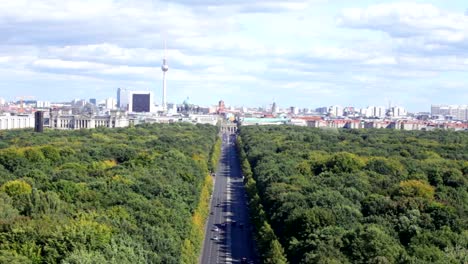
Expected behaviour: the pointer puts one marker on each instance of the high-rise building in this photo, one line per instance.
(335, 110)
(397, 111)
(122, 98)
(119, 90)
(294, 110)
(274, 108)
(374, 111)
(110, 103)
(140, 102)
(456, 112)
(92, 101)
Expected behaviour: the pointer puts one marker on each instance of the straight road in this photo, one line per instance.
(228, 236)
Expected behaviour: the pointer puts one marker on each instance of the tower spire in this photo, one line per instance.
(164, 68)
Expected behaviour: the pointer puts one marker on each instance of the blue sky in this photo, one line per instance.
(307, 53)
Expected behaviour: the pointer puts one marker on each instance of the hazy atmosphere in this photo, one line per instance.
(304, 53)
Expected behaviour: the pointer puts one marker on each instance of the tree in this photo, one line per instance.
(16, 188)
(11, 257)
(275, 254)
(372, 244)
(416, 188)
(344, 162)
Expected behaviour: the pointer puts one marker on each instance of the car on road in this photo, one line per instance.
(215, 238)
(216, 229)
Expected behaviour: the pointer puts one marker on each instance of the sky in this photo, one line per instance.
(305, 53)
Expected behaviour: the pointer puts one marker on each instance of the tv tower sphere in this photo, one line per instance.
(164, 67)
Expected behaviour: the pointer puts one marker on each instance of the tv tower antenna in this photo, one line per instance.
(164, 68)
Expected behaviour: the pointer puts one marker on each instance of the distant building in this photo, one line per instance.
(140, 103)
(204, 119)
(221, 106)
(135, 101)
(59, 120)
(8, 121)
(298, 122)
(450, 112)
(294, 110)
(93, 101)
(2, 102)
(78, 103)
(171, 109)
(349, 111)
(249, 121)
(274, 108)
(42, 104)
(397, 111)
(374, 111)
(335, 110)
(119, 91)
(110, 103)
(122, 98)
(322, 110)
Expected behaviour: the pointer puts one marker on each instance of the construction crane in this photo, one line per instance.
(21, 98)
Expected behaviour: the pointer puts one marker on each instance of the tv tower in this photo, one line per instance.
(164, 68)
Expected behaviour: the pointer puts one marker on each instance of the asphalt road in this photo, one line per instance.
(228, 236)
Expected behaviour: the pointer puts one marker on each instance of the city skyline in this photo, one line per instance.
(308, 53)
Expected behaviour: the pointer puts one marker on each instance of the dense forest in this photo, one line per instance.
(357, 196)
(130, 195)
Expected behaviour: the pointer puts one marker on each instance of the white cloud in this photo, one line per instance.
(229, 45)
(385, 60)
(435, 28)
(71, 65)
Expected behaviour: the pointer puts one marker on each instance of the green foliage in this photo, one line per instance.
(12, 160)
(415, 188)
(82, 256)
(11, 257)
(120, 196)
(192, 246)
(371, 244)
(215, 154)
(357, 196)
(51, 153)
(344, 162)
(271, 250)
(16, 188)
(275, 254)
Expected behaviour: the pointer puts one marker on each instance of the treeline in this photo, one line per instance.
(131, 195)
(361, 196)
(270, 249)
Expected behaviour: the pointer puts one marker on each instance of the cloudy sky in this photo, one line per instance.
(307, 53)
